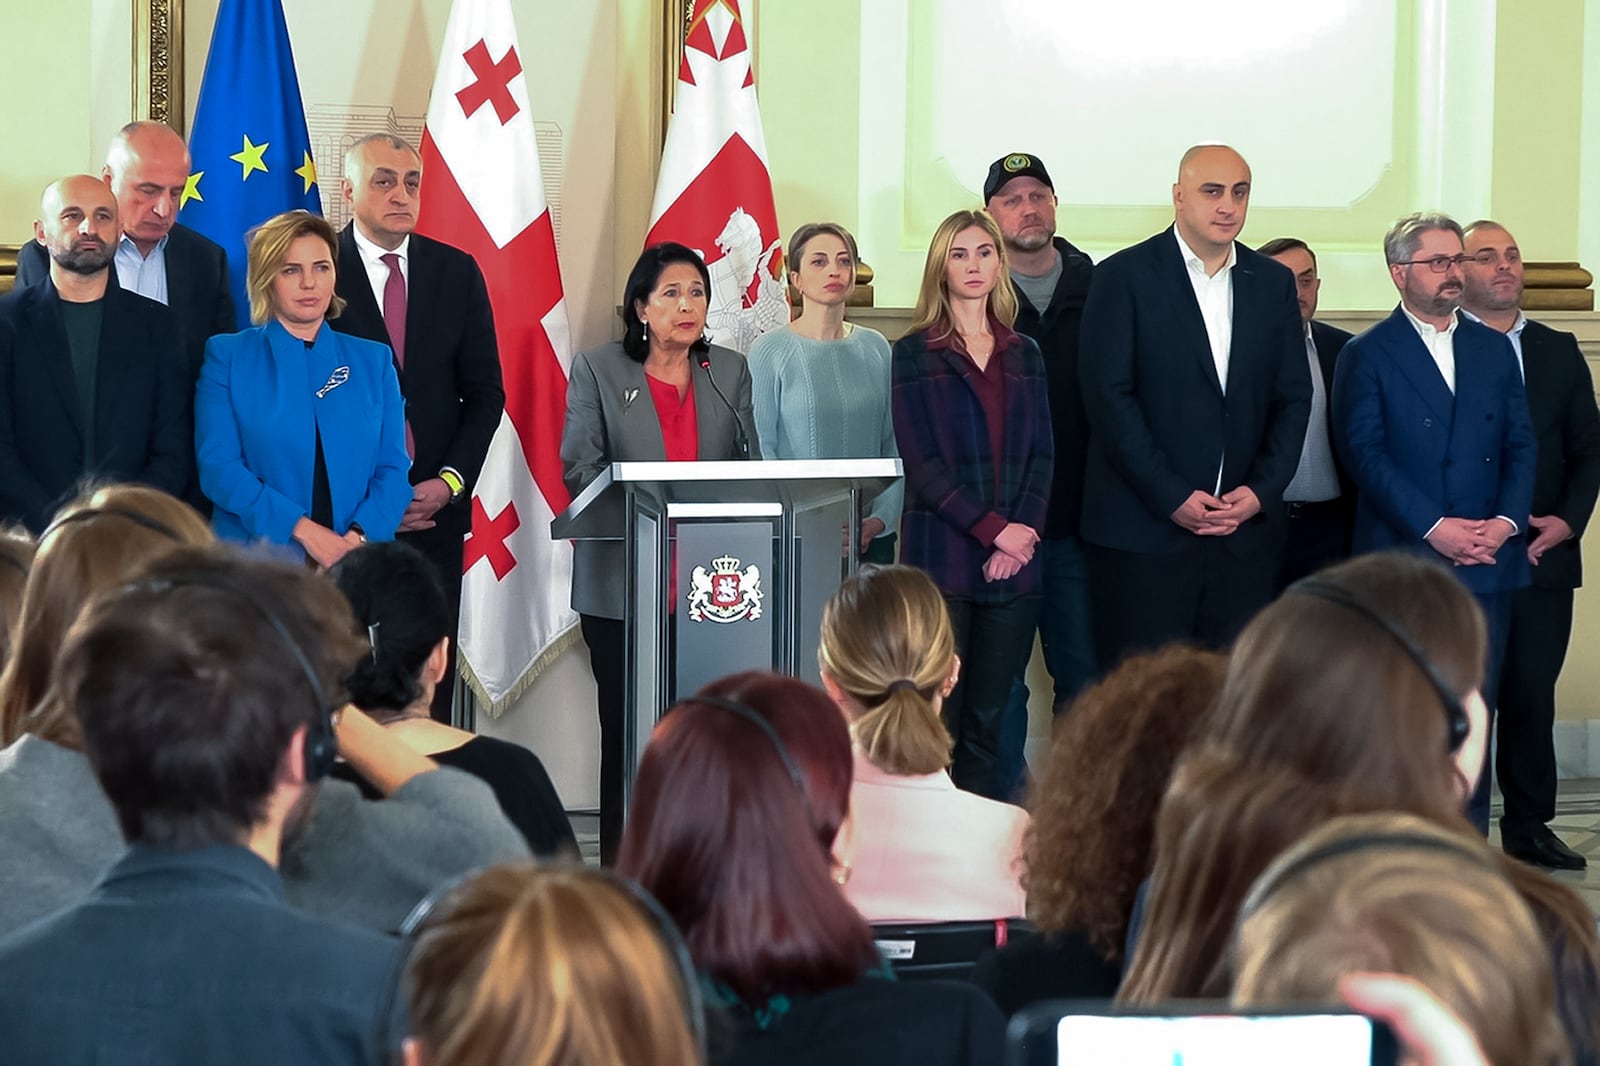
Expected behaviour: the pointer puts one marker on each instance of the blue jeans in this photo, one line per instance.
(1066, 640)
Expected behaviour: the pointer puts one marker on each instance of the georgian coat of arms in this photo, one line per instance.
(725, 593)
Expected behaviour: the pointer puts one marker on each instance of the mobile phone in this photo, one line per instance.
(1197, 1034)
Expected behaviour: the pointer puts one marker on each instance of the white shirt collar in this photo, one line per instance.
(1196, 263)
(1427, 330)
(374, 253)
(126, 243)
(1516, 327)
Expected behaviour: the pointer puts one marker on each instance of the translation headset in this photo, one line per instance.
(751, 715)
(661, 923)
(1268, 884)
(87, 514)
(1457, 723)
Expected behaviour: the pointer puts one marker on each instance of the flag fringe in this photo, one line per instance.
(553, 651)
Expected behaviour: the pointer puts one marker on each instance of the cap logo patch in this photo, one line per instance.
(1017, 162)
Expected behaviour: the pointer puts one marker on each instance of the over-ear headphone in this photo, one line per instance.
(754, 717)
(1457, 724)
(1398, 840)
(661, 924)
(322, 745)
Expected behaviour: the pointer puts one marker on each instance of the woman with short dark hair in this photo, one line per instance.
(662, 392)
(736, 828)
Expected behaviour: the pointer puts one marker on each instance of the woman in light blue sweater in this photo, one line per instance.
(821, 384)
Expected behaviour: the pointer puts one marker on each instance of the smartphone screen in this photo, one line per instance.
(1220, 1040)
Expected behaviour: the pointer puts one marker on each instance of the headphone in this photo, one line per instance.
(661, 923)
(155, 525)
(754, 717)
(1457, 724)
(322, 745)
(1273, 880)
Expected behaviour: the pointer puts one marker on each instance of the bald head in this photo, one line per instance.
(1210, 199)
(77, 224)
(147, 167)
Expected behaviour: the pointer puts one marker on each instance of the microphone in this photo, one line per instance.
(741, 443)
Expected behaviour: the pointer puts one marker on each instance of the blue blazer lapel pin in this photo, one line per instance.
(335, 379)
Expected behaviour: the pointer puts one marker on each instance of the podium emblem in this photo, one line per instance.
(725, 593)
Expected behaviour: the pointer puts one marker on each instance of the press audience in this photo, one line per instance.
(1330, 706)
(364, 862)
(1092, 841)
(1398, 894)
(401, 611)
(204, 694)
(925, 850)
(736, 827)
(529, 966)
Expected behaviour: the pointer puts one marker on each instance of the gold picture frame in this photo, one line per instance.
(158, 61)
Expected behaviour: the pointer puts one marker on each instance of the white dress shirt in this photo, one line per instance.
(1441, 344)
(1316, 479)
(140, 273)
(1514, 335)
(377, 270)
(1214, 294)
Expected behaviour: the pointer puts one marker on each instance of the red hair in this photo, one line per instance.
(736, 852)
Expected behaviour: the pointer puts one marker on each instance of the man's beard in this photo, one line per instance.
(1033, 239)
(83, 260)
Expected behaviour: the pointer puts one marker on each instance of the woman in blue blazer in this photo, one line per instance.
(300, 431)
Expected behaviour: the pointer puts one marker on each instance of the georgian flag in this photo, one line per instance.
(714, 191)
(484, 193)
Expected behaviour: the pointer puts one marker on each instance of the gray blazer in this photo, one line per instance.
(610, 418)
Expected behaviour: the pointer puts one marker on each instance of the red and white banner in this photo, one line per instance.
(483, 192)
(714, 191)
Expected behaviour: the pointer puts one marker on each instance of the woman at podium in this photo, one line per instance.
(662, 392)
(973, 426)
(822, 384)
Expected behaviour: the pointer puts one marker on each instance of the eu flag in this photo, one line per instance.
(250, 151)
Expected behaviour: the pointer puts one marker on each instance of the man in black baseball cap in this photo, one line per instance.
(1052, 279)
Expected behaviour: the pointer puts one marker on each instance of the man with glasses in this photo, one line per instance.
(1430, 418)
(1566, 481)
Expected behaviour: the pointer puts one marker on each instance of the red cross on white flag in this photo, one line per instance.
(714, 190)
(483, 192)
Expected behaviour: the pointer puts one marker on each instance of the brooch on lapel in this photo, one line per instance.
(335, 379)
(628, 396)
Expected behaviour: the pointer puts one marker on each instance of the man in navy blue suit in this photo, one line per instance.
(1431, 419)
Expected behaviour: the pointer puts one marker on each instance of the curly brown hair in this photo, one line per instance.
(1094, 802)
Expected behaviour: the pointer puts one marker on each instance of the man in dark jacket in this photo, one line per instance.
(1567, 424)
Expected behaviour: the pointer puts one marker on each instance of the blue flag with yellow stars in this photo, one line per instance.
(251, 155)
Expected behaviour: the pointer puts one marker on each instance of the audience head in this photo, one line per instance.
(77, 224)
(1424, 253)
(664, 301)
(401, 608)
(1567, 929)
(16, 558)
(1211, 198)
(822, 263)
(1492, 274)
(734, 827)
(97, 540)
(204, 692)
(1295, 254)
(888, 657)
(383, 185)
(1324, 711)
(292, 266)
(147, 169)
(1392, 893)
(523, 966)
(967, 260)
(1337, 680)
(1094, 802)
(1022, 200)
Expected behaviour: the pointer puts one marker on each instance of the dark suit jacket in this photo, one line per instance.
(1417, 453)
(1159, 420)
(610, 419)
(1565, 421)
(143, 402)
(451, 381)
(197, 287)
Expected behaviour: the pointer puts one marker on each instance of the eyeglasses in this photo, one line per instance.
(1440, 263)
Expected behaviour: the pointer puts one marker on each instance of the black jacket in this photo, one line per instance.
(1056, 333)
(1565, 420)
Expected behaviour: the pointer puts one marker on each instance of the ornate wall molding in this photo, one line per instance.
(158, 61)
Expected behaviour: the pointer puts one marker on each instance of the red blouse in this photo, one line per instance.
(680, 430)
